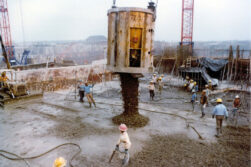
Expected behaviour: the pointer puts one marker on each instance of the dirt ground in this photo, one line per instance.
(34, 126)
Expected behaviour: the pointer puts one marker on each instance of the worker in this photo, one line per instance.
(235, 111)
(219, 111)
(151, 88)
(203, 103)
(194, 97)
(210, 86)
(60, 162)
(196, 87)
(160, 84)
(124, 141)
(162, 76)
(186, 82)
(3, 78)
(81, 91)
(87, 89)
(154, 79)
(191, 85)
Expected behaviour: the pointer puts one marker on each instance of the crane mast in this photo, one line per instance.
(5, 27)
(187, 23)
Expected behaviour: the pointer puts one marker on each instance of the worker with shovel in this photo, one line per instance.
(125, 143)
(87, 89)
(219, 111)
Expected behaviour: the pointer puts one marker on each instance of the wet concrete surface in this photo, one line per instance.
(36, 125)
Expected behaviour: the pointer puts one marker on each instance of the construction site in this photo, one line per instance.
(125, 98)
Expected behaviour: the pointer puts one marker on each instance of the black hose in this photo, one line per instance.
(40, 155)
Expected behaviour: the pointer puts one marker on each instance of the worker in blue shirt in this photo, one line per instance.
(87, 89)
(194, 97)
(219, 111)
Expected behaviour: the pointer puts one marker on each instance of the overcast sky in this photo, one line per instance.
(78, 19)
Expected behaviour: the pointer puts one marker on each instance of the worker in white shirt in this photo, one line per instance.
(151, 88)
(154, 79)
(124, 141)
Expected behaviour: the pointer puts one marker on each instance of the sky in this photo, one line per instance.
(46, 20)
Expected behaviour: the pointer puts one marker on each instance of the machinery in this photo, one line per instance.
(9, 88)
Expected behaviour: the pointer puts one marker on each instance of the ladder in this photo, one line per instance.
(188, 62)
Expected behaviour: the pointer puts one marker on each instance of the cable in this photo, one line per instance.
(40, 155)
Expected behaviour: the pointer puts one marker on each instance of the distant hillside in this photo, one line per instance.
(96, 39)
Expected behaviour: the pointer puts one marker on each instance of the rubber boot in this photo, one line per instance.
(218, 132)
(94, 104)
(90, 105)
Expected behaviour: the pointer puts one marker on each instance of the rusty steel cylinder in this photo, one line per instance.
(130, 40)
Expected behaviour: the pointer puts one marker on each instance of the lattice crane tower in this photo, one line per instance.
(187, 22)
(5, 27)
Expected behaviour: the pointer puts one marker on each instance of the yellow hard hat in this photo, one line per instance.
(209, 81)
(191, 80)
(59, 162)
(185, 84)
(219, 100)
(154, 74)
(162, 75)
(160, 78)
(194, 83)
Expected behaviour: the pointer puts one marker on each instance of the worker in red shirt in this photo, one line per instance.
(236, 107)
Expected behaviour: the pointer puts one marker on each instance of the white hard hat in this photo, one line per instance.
(237, 97)
(193, 91)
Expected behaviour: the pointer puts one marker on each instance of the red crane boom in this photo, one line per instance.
(5, 27)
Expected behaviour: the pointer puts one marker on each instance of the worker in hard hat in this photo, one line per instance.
(186, 82)
(160, 84)
(220, 111)
(60, 162)
(81, 91)
(87, 89)
(196, 87)
(203, 103)
(3, 79)
(124, 142)
(236, 107)
(210, 85)
(151, 88)
(191, 85)
(207, 93)
(154, 79)
(193, 99)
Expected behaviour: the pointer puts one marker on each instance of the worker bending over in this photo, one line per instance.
(219, 111)
(124, 141)
(87, 89)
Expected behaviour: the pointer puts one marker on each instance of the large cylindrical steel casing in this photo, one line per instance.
(130, 40)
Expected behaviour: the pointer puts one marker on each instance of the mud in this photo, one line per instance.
(130, 115)
(34, 126)
(232, 149)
